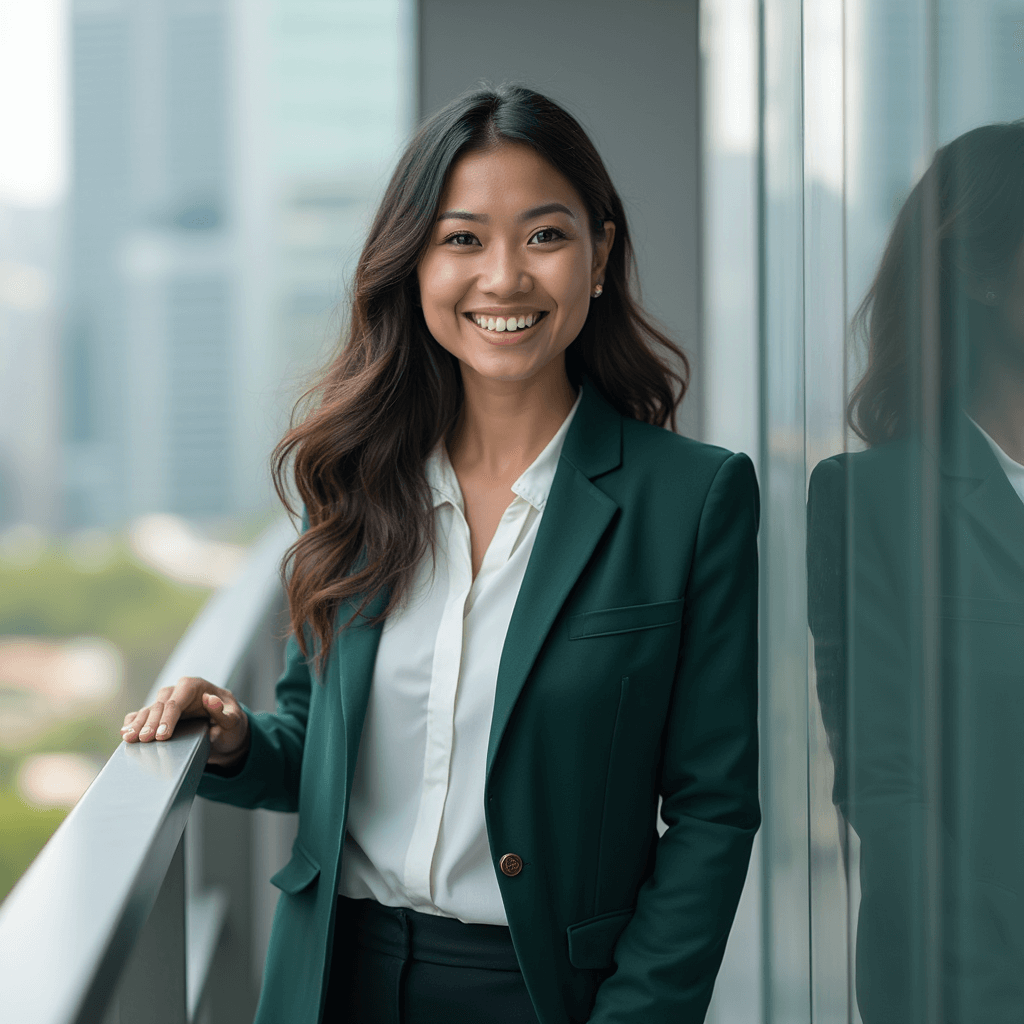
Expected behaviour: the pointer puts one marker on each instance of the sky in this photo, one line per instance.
(33, 102)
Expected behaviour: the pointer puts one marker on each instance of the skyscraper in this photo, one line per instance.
(225, 158)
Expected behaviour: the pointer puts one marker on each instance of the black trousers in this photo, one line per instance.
(395, 966)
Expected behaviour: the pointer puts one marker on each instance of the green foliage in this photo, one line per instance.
(140, 612)
(123, 601)
(25, 831)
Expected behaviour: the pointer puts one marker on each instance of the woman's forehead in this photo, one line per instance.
(507, 177)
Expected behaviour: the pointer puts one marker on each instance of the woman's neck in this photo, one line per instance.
(505, 425)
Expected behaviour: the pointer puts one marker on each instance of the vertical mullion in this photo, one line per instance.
(932, 924)
(784, 628)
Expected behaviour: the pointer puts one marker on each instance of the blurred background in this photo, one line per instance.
(183, 189)
(184, 186)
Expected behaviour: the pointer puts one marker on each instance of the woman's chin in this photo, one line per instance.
(505, 366)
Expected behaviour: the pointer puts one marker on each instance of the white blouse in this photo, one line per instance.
(416, 836)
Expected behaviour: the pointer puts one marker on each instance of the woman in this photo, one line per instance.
(918, 629)
(521, 612)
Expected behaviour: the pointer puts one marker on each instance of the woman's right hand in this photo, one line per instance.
(193, 698)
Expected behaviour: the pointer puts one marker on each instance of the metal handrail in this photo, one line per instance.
(70, 925)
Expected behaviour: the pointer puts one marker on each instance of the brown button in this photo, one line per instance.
(511, 864)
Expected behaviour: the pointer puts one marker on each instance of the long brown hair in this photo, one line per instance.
(964, 220)
(359, 438)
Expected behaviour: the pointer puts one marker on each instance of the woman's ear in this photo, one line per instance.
(983, 290)
(602, 249)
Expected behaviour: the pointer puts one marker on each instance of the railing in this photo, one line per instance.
(127, 914)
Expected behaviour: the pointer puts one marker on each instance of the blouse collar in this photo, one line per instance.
(533, 485)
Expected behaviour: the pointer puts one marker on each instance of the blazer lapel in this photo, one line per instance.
(576, 515)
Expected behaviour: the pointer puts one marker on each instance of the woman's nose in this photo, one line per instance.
(505, 271)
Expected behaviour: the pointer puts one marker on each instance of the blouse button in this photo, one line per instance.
(511, 864)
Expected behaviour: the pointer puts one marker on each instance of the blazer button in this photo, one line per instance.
(511, 864)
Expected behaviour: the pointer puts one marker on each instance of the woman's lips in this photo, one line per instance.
(499, 330)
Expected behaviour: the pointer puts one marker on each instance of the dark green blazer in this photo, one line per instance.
(629, 672)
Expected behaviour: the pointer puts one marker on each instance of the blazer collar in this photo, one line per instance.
(979, 486)
(965, 453)
(594, 442)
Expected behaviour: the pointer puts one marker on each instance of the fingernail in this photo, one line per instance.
(161, 730)
(146, 731)
(130, 732)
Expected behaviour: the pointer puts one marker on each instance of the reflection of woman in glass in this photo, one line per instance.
(559, 628)
(916, 599)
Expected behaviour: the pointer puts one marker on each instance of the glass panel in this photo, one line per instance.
(891, 255)
(915, 531)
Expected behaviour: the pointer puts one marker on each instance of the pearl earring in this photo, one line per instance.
(597, 291)
(990, 296)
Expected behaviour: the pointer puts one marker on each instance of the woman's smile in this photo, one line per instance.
(508, 328)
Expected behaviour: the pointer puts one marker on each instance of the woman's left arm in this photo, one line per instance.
(669, 954)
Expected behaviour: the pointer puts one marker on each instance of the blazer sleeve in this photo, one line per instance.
(827, 610)
(669, 953)
(269, 776)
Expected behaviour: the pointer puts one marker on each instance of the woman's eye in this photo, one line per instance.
(460, 238)
(553, 235)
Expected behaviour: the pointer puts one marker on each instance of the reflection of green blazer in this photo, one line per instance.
(878, 689)
(629, 671)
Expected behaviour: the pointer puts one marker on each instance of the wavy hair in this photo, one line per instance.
(360, 437)
(963, 224)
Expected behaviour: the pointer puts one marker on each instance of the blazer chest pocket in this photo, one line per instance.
(627, 619)
(298, 874)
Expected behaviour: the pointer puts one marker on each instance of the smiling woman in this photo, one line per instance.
(522, 611)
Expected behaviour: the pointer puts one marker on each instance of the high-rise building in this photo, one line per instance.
(224, 160)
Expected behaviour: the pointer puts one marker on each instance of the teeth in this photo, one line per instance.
(500, 323)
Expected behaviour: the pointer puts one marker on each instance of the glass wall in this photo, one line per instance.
(889, 241)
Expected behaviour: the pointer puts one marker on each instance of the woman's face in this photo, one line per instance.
(511, 246)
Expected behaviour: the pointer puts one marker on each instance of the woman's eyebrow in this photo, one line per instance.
(482, 218)
(540, 211)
